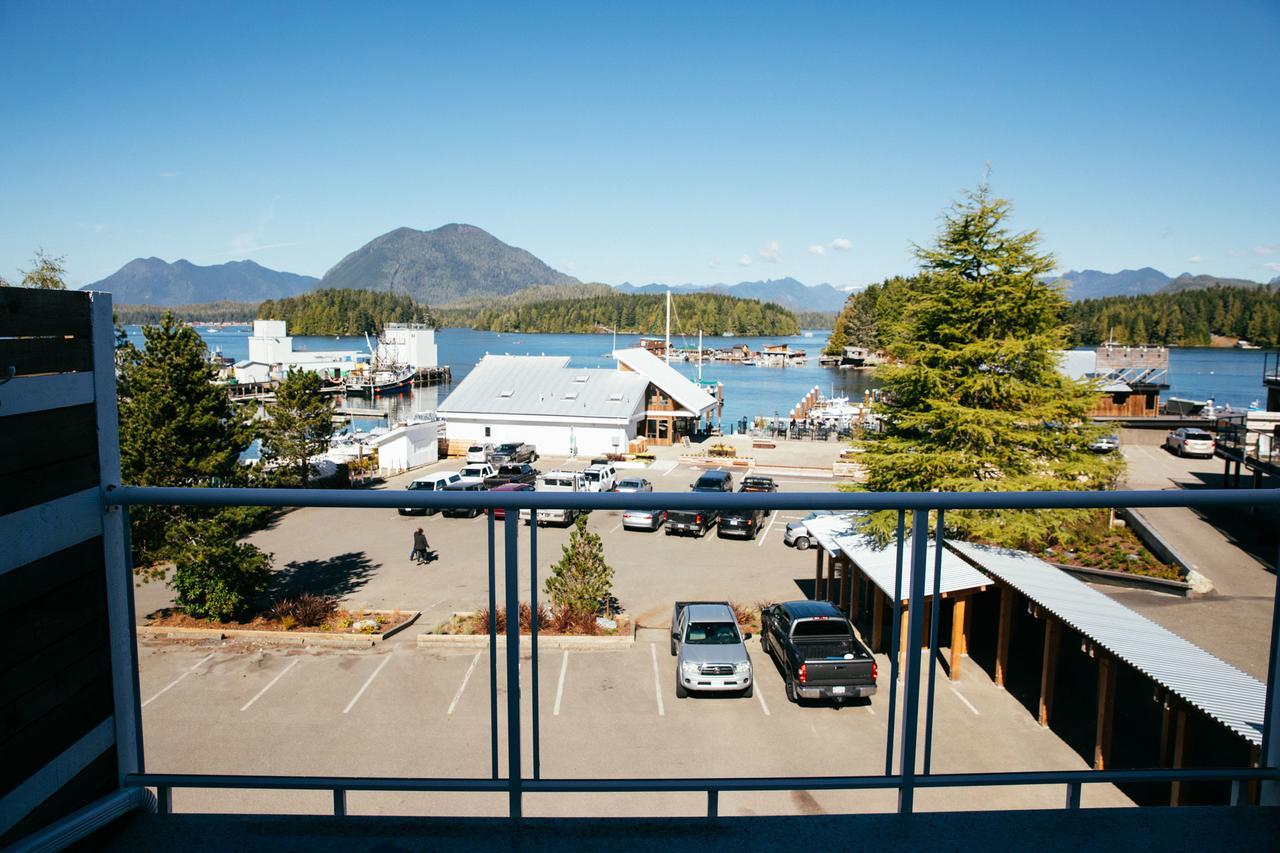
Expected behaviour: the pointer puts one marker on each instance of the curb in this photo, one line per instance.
(545, 641)
(1124, 579)
(297, 638)
(1149, 536)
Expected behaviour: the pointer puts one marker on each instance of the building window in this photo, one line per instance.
(663, 430)
(487, 432)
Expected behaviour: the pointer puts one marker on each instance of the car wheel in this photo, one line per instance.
(792, 695)
(802, 543)
(764, 642)
(749, 692)
(681, 693)
(674, 649)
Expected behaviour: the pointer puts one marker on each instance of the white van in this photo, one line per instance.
(482, 452)
(429, 483)
(558, 481)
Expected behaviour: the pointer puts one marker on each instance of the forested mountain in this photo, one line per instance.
(787, 292)
(1184, 317)
(343, 312)
(208, 312)
(443, 265)
(713, 313)
(1091, 284)
(151, 281)
(1187, 281)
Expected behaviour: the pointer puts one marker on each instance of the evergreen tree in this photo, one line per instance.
(299, 425)
(47, 272)
(176, 428)
(581, 581)
(836, 343)
(216, 577)
(976, 402)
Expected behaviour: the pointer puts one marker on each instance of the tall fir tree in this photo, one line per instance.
(299, 424)
(976, 401)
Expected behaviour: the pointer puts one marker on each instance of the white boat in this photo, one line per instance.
(380, 380)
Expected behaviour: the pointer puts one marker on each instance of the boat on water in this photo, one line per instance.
(1184, 408)
(1243, 344)
(377, 381)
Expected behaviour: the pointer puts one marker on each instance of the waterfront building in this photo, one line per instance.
(1131, 378)
(407, 446)
(411, 344)
(272, 356)
(675, 406)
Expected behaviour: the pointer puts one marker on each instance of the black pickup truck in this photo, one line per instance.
(817, 650)
(522, 473)
(758, 483)
(743, 522)
(698, 522)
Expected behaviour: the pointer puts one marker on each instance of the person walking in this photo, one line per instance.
(419, 553)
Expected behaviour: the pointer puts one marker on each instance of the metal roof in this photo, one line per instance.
(838, 533)
(684, 390)
(545, 386)
(1215, 687)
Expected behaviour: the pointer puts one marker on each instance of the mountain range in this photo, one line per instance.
(1095, 284)
(151, 281)
(786, 292)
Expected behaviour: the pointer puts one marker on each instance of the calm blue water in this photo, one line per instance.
(1231, 377)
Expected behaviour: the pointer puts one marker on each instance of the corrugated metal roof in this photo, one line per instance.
(1230, 696)
(684, 390)
(837, 533)
(546, 386)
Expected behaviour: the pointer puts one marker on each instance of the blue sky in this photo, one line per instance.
(642, 142)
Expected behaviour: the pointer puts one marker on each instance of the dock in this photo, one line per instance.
(359, 412)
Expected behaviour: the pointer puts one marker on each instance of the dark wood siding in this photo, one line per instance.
(46, 455)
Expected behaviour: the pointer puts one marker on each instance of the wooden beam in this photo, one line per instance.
(957, 635)
(1049, 667)
(1166, 714)
(855, 590)
(1106, 711)
(877, 618)
(1177, 790)
(968, 629)
(842, 600)
(1006, 627)
(817, 575)
(902, 643)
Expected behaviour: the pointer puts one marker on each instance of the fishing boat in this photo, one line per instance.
(377, 381)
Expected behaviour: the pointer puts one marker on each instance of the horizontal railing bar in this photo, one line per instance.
(797, 783)
(395, 498)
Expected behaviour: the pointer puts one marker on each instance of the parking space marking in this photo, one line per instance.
(673, 466)
(966, 702)
(365, 686)
(765, 536)
(657, 683)
(463, 686)
(270, 684)
(616, 528)
(764, 706)
(174, 683)
(564, 665)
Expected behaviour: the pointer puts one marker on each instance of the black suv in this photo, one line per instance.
(698, 522)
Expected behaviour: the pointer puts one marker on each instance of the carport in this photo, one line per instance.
(1186, 678)
(856, 560)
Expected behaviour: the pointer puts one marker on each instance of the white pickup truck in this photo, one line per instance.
(557, 481)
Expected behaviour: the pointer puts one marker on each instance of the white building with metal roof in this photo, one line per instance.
(542, 401)
(674, 403)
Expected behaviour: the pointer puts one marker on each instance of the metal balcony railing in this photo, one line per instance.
(912, 558)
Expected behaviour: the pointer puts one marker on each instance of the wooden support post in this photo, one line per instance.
(1178, 789)
(855, 591)
(1006, 626)
(968, 630)
(877, 619)
(817, 575)
(1106, 711)
(842, 599)
(957, 635)
(902, 642)
(928, 621)
(1166, 713)
(1049, 667)
(828, 583)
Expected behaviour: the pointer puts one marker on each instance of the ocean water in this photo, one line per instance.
(1228, 376)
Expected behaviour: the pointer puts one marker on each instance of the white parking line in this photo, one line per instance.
(657, 684)
(564, 664)
(616, 528)
(171, 684)
(765, 536)
(270, 684)
(764, 706)
(966, 702)
(360, 692)
(475, 660)
(672, 467)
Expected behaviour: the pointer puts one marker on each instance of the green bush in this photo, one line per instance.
(215, 577)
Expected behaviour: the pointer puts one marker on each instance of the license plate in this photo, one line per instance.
(837, 690)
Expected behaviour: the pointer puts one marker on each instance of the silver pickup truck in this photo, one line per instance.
(711, 653)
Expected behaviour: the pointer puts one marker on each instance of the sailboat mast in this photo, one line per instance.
(667, 349)
(699, 355)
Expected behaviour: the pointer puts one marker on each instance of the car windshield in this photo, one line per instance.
(557, 482)
(473, 472)
(593, 475)
(811, 516)
(1197, 435)
(475, 448)
(828, 628)
(711, 634)
(427, 485)
(709, 484)
(510, 469)
(631, 484)
(507, 448)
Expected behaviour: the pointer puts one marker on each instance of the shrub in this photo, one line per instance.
(307, 610)
(214, 576)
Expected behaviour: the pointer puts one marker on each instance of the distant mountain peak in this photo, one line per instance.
(787, 292)
(154, 281)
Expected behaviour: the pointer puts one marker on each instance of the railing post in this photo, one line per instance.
(339, 802)
(493, 651)
(911, 685)
(164, 799)
(1073, 795)
(713, 802)
(934, 618)
(511, 552)
(1269, 791)
(894, 642)
(533, 644)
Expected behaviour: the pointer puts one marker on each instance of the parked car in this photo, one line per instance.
(797, 535)
(482, 452)
(431, 483)
(634, 484)
(1189, 441)
(744, 523)
(521, 473)
(698, 522)
(757, 483)
(817, 650)
(711, 653)
(601, 477)
(463, 485)
(558, 481)
(1105, 444)
(514, 451)
(478, 471)
(501, 512)
(643, 519)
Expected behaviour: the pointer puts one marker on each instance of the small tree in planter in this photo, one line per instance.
(582, 578)
(215, 577)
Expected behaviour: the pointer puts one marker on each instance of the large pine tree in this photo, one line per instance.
(975, 401)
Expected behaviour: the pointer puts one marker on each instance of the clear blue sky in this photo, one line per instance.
(642, 142)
